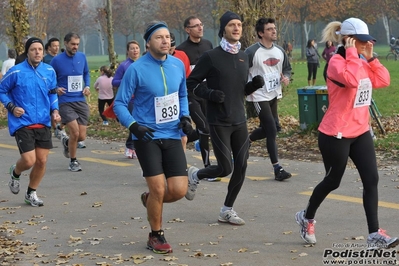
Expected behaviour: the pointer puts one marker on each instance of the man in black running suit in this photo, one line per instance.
(226, 71)
(194, 47)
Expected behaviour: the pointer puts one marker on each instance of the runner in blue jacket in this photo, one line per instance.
(28, 92)
(160, 109)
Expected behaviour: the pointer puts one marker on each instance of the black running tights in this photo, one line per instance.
(267, 112)
(197, 107)
(225, 142)
(335, 153)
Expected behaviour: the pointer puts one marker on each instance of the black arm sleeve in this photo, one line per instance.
(199, 73)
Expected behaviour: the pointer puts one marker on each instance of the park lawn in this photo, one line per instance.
(386, 98)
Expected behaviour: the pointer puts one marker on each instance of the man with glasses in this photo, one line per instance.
(194, 47)
(271, 62)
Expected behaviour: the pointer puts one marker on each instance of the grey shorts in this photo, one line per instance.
(164, 156)
(75, 111)
(28, 139)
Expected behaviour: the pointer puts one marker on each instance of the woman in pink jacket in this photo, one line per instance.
(103, 86)
(344, 131)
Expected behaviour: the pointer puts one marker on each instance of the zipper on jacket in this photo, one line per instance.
(164, 81)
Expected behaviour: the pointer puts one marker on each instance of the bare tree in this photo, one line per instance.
(38, 11)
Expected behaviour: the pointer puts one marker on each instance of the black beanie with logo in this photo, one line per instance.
(30, 41)
(225, 19)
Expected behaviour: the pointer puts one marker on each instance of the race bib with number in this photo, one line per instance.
(272, 81)
(363, 94)
(75, 83)
(167, 108)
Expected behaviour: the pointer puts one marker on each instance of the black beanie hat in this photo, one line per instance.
(30, 41)
(224, 20)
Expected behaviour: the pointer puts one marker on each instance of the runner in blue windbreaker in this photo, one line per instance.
(158, 83)
(28, 92)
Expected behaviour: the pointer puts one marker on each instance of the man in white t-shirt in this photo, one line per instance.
(9, 63)
(270, 61)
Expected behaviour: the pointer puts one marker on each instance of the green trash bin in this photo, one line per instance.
(307, 107)
(321, 102)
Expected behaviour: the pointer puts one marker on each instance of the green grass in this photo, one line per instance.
(386, 98)
(386, 102)
(288, 106)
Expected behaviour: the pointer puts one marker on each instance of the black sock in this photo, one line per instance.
(73, 159)
(15, 175)
(156, 233)
(276, 167)
(30, 190)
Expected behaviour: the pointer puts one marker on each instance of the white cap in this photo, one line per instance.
(357, 28)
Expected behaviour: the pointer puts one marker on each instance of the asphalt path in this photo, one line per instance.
(95, 217)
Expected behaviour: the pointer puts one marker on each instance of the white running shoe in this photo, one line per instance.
(231, 217)
(129, 153)
(192, 183)
(64, 139)
(380, 239)
(74, 166)
(81, 145)
(13, 184)
(33, 200)
(58, 131)
(307, 228)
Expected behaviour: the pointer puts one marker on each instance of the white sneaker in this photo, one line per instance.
(306, 228)
(58, 131)
(380, 239)
(64, 139)
(214, 179)
(81, 145)
(13, 184)
(192, 183)
(129, 153)
(74, 166)
(33, 200)
(231, 217)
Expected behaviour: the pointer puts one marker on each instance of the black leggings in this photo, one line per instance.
(335, 154)
(197, 107)
(101, 106)
(312, 70)
(225, 141)
(267, 112)
(325, 72)
(129, 143)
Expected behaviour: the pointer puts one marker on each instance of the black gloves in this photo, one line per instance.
(141, 132)
(217, 96)
(256, 83)
(185, 125)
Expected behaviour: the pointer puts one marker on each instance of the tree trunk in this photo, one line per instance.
(19, 24)
(385, 21)
(110, 33)
(251, 11)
